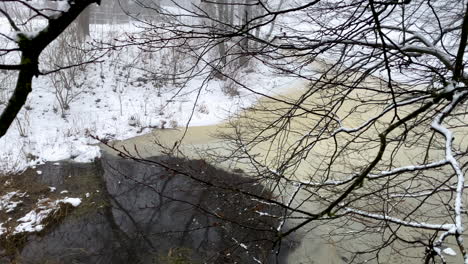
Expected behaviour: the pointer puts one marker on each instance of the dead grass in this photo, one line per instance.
(27, 182)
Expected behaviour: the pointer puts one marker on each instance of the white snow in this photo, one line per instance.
(264, 214)
(63, 6)
(32, 221)
(448, 134)
(2, 229)
(257, 260)
(86, 153)
(449, 88)
(396, 220)
(73, 201)
(6, 202)
(449, 251)
(114, 93)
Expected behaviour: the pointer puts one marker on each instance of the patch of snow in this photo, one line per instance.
(87, 153)
(111, 95)
(415, 224)
(449, 88)
(41, 202)
(63, 6)
(257, 260)
(449, 251)
(6, 203)
(73, 201)
(2, 229)
(12, 205)
(264, 214)
(52, 189)
(39, 172)
(31, 222)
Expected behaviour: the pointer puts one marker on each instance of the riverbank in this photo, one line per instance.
(137, 211)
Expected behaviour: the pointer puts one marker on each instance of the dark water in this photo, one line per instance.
(144, 213)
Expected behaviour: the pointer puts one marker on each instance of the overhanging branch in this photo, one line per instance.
(31, 48)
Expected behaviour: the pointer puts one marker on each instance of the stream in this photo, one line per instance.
(140, 212)
(201, 143)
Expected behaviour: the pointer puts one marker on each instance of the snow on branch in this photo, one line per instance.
(437, 126)
(395, 220)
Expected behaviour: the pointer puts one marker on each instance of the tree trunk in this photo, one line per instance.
(83, 23)
(243, 60)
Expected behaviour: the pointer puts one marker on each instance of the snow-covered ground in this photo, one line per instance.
(117, 99)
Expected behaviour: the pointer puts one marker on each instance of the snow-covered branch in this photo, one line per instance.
(437, 126)
(395, 220)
